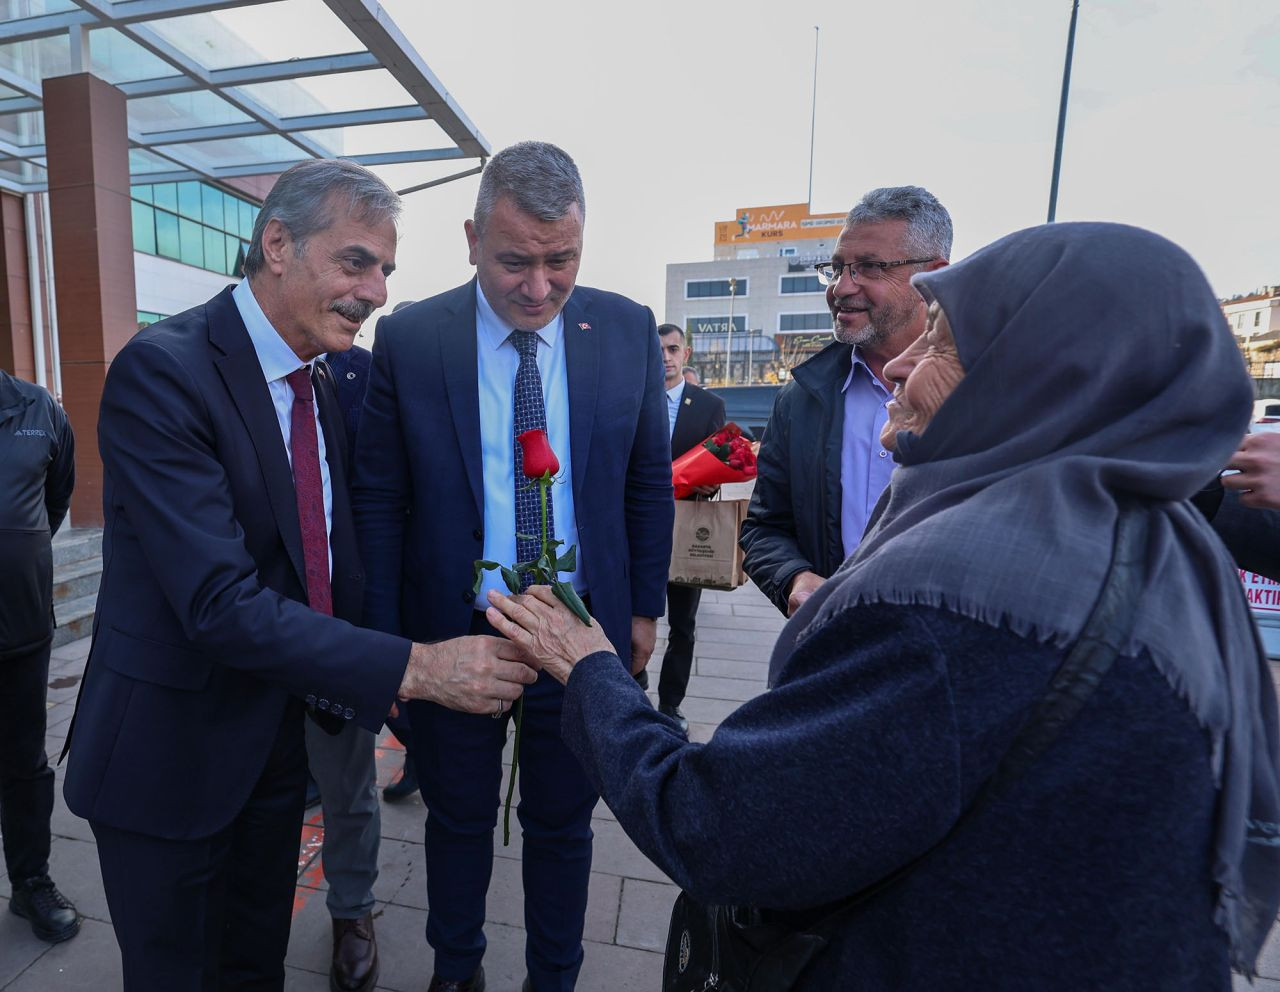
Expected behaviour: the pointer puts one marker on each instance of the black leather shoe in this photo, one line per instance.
(52, 917)
(473, 984)
(405, 785)
(355, 955)
(676, 715)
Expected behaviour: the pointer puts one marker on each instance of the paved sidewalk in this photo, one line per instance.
(630, 899)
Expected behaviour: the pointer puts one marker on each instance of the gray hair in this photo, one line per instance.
(306, 197)
(542, 180)
(928, 223)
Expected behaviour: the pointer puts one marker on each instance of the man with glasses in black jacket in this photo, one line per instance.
(822, 467)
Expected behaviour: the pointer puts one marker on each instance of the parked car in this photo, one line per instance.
(748, 406)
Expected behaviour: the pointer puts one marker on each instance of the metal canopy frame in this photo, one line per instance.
(385, 48)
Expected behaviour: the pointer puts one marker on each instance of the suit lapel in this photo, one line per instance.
(582, 360)
(342, 531)
(242, 374)
(457, 342)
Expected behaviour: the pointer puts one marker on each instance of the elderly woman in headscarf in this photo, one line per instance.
(1067, 371)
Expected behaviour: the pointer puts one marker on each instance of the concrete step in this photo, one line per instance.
(75, 618)
(76, 579)
(76, 545)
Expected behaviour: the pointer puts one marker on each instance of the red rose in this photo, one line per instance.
(539, 459)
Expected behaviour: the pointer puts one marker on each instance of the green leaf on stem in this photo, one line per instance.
(512, 580)
(569, 596)
(481, 566)
(525, 537)
(568, 562)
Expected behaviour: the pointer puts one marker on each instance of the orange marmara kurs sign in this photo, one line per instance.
(788, 222)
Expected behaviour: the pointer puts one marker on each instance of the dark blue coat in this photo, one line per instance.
(202, 629)
(418, 492)
(1092, 872)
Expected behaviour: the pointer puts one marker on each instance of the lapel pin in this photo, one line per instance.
(688, 402)
(584, 327)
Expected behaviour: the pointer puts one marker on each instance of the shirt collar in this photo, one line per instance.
(274, 356)
(676, 392)
(855, 362)
(494, 331)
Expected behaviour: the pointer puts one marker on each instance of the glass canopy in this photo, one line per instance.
(223, 89)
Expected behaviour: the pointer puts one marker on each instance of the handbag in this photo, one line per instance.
(716, 948)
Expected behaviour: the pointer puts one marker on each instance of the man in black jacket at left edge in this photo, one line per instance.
(37, 474)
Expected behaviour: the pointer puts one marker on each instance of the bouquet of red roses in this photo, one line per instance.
(725, 456)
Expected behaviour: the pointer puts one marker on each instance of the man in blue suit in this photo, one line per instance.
(437, 486)
(230, 579)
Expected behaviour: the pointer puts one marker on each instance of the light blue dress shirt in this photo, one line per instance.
(865, 465)
(277, 360)
(674, 395)
(496, 364)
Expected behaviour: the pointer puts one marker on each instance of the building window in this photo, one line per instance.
(710, 289)
(715, 325)
(193, 223)
(804, 321)
(1257, 317)
(146, 317)
(800, 284)
(787, 252)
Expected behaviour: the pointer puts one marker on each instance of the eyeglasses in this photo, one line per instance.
(868, 271)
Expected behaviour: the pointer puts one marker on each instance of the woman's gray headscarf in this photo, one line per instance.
(1098, 368)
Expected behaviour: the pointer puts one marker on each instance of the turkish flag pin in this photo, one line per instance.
(584, 327)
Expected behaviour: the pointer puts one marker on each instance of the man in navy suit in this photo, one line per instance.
(437, 487)
(230, 579)
(693, 415)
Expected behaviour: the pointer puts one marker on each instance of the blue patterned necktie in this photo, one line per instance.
(530, 414)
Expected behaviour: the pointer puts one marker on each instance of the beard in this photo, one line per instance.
(883, 322)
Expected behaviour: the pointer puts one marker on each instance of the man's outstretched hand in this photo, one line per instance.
(1258, 477)
(473, 674)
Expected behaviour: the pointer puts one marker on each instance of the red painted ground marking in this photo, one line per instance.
(310, 864)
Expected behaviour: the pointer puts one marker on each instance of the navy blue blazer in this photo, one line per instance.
(202, 628)
(350, 370)
(418, 493)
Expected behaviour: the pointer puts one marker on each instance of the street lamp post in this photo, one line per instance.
(728, 341)
(1062, 113)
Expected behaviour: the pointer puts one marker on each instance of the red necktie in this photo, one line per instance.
(309, 488)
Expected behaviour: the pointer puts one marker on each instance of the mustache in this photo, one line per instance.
(353, 310)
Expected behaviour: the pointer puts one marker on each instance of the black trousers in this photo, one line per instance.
(26, 780)
(682, 612)
(213, 913)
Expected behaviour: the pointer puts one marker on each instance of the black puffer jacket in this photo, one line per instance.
(37, 473)
(793, 522)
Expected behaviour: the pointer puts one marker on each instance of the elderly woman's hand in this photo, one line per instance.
(546, 630)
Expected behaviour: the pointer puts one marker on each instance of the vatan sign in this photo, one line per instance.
(789, 222)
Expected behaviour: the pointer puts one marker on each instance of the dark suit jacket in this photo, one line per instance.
(418, 492)
(350, 370)
(202, 629)
(701, 414)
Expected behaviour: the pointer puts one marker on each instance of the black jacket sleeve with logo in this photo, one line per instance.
(37, 474)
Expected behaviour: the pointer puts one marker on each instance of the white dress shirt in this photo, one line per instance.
(496, 364)
(277, 360)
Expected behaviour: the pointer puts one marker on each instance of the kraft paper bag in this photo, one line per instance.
(704, 544)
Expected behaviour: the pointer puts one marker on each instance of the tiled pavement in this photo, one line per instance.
(630, 899)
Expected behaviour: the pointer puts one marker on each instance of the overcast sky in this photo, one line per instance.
(680, 112)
